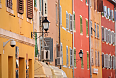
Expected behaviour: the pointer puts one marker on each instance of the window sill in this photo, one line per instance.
(35, 9)
(81, 33)
(86, 4)
(20, 16)
(9, 10)
(87, 36)
(82, 68)
(75, 67)
(29, 20)
(0, 5)
(102, 16)
(81, 0)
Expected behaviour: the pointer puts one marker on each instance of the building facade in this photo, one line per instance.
(96, 7)
(16, 23)
(108, 39)
(81, 39)
(66, 24)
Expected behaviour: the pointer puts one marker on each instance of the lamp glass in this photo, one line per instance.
(80, 55)
(46, 25)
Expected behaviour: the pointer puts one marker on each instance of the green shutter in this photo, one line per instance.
(39, 5)
(86, 27)
(87, 60)
(82, 62)
(86, 1)
(74, 57)
(81, 28)
(35, 3)
(36, 47)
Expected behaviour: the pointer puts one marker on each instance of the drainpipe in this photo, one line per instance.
(59, 26)
(90, 38)
(73, 40)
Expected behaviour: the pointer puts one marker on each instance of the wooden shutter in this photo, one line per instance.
(111, 62)
(61, 50)
(74, 57)
(98, 59)
(9, 4)
(100, 5)
(20, 6)
(67, 55)
(81, 28)
(94, 4)
(60, 15)
(92, 59)
(67, 20)
(114, 15)
(95, 29)
(30, 9)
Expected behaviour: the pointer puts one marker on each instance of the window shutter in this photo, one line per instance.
(100, 5)
(111, 14)
(30, 9)
(71, 57)
(95, 29)
(115, 15)
(61, 51)
(103, 60)
(86, 27)
(92, 59)
(74, 57)
(20, 6)
(74, 21)
(70, 22)
(87, 60)
(96, 58)
(39, 5)
(67, 55)
(67, 20)
(102, 33)
(108, 61)
(60, 15)
(81, 28)
(94, 4)
(91, 27)
(111, 62)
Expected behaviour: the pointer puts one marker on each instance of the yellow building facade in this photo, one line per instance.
(96, 63)
(66, 35)
(15, 23)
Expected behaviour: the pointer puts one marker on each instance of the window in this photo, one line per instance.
(71, 57)
(105, 34)
(109, 36)
(67, 55)
(113, 58)
(105, 11)
(81, 28)
(100, 5)
(39, 5)
(74, 20)
(60, 15)
(27, 66)
(108, 61)
(35, 3)
(87, 60)
(113, 38)
(30, 9)
(45, 8)
(112, 15)
(91, 27)
(71, 22)
(102, 33)
(97, 31)
(9, 4)
(95, 4)
(111, 62)
(20, 6)
(98, 59)
(61, 49)
(102, 60)
(108, 13)
(74, 57)
(92, 59)
(67, 20)
(10, 66)
(86, 27)
(86, 2)
(95, 58)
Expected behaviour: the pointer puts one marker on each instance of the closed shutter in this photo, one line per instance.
(39, 5)
(100, 5)
(108, 61)
(102, 33)
(81, 28)
(111, 62)
(20, 6)
(87, 60)
(102, 60)
(111, 14)
(36, 47)
(49, 42)
(70, 22)
(74, 21)
(9, 4)
(60, 15)
(91, 27)
(115, 15)
(30, 9)
(67, 20)
(67, 55)
(61, 49)
(105, 11)
(94, 4)
(71, 57)
(95, 29)
(108, 13)
(92, 59)
(98, 59)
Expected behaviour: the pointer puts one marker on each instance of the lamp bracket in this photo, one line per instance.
(4, 43)
(33, 34)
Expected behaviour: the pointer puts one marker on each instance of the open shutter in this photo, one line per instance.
(30, 9)
(60, 15)
(115, 15)
(111, 62)
(100, 5)
(71, 22)
(20, 6)
(67, 55)
(61, 50)
(98, 59)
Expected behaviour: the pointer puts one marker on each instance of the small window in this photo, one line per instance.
(20, 6)
(67, 55)
(30, 9)
(81, 27)
(74, 57)
(82, 65)
(86, 27)
(9, 4)
(87, 60)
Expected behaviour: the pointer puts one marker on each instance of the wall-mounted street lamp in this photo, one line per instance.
(80, 55)
(45, 26)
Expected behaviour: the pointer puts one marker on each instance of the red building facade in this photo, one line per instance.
(81, 39)
(108, 40)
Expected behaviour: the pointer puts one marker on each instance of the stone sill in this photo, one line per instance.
(20, 16)
(9, 10)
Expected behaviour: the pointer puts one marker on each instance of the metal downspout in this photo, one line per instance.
(90, 38)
